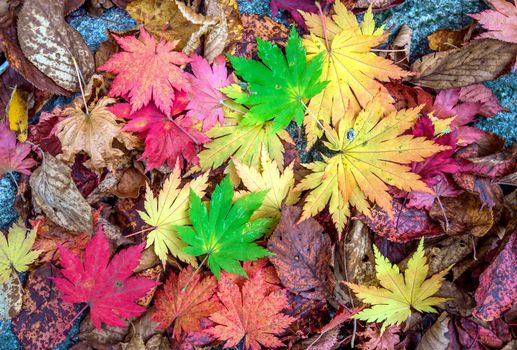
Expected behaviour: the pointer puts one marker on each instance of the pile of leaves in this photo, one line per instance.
(167, 206)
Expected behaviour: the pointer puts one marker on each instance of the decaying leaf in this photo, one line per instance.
(302, 255)
(52, 45)
(172, 20)
(437, 336)
(481, 60)
(227, 33)
(374, 340)
(447, 39)
(56, 194)
(11, 292)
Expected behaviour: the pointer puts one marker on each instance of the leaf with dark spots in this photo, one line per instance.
(302, 255)
(11, 293)
(493, 166)
(408, 223)
(489, 193)
(473, 335)
(310, 314)
(497, 291)
(45, 318)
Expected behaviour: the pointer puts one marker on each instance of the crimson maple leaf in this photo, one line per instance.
(206, 103)
(294, 6)
(13, 155)
(106, 286)
(185, 307)
(252, 312)
(147, 70)
(168, 137)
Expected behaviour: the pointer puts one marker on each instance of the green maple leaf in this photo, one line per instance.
(225, 233)
(279, 86)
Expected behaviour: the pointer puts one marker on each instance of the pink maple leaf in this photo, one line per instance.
(169, 138)
(147, 71)
(206, 100)
(13, 155)
(501, 21)
(106, 286)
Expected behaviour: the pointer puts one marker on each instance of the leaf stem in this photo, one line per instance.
(184, 131)
(329, 135)
(141, 231)
(69, 324)
(223, 103)
(195, 273)
(80, 80)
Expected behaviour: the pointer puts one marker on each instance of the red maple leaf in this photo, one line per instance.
(168, 137)
(13, 155)
(250, 312)
(294, 6)
(42, 133)
(106, 286)
(206, 103)
(147, 70)
(185, 307)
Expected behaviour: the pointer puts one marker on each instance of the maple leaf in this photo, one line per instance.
(106, 286)
(242, 142)
(280, 86)
(15, 251)
(353, 71)
(147, 71)
(388, 340)
(225, 233)
(251, 313)
(501, 22)
(393, 302)
(184, 301)
(13, 155)
(94, 134)
(169, 138)
(167, 209)
(294, 6)
(279, 186)
(207, 101)
(371, 154)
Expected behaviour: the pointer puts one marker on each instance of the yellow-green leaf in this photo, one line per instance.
(399, 294)
(168, 209)
(16, 250)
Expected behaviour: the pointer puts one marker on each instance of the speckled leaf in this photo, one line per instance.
(11, 293)
(497, 290)
(302, 255)
(52, 45)
(436, 337)
(45, 318)
(481, 60)
(54, 191)
(408, 223)
(225, 35)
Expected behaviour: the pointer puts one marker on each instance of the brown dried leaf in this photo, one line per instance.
(56, 194)
(172, 20)
(401, 45)
(325, 341)
(100, 338)
(130, 183)
(52, 45)
(302, 255)
(436, 337)
(458, 301)
(447, 39)
(479, 61)
(11, 293)
(224, 36)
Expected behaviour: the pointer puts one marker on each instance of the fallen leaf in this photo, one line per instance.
(294, 7)
(465, 214)
(479, 61)
(184, 301)
(499, 21)
(45, 318)
(401, 46)
(172, 20)
(56, 194)
(373, 340)
(489, 193)
(436, 337)
(41, 133)
(18, 113)
(250, 313)
(447, 39)
(228, 31)
(325, 341)
(102, 338)
(52, 45)
(13, 155)
(105, 285)
(497, 290)
(157, 82)
(302, 255)
(11, 293)
(130, 183)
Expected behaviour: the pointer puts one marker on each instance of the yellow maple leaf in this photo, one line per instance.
(268, 177)
(370, 154)
(15, 251)
(168, 209)
(353, 71)
(18, 114)
(398, 294)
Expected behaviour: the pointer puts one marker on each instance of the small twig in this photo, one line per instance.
(80, 80)
(444, 214)
(323, 24)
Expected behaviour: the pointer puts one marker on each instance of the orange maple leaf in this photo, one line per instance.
(147, 70)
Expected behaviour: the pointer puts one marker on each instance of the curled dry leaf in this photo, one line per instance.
(172, 20)
(11, 292)
(93, 133)
(52, 45)
(401, 45)
(130, 183)
(447, 39)
(437, 337)
(56, 194)
(479, 61)
(302, 255)
(461, 215)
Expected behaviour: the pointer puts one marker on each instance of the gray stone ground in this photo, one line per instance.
(423, 16)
